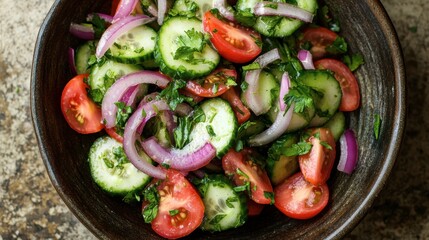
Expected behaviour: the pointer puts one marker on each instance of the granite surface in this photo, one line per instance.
(31, 209)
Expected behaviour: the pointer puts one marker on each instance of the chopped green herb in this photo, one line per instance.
(301, 96)
(353, 61)
(185, 125)
(377, 125)
(193, 41)
(231, 200)
(124, 112)
(297, 149)
(151, 196)
(252, 66)
(269, 195)
(172, 95)
(210, 131)
(339, 46)
(174, 212)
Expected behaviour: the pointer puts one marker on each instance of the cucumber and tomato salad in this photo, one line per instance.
(184, 128)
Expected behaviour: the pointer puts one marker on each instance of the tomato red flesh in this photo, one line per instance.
(350, 99)
(112, 133)
(233, 42)
(240, 166)
(316, 165)
(253, 208)
(214, 84)
(177, 194)
(241, 112)
(319, 38)
(80, 112)
(299, 199)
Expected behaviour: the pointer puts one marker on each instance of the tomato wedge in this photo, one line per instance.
(316, 165)
(253, 208)
(180, 210)
(80, 112)
(115, 4)
(319, 38)
(244, 171)
(112, 133)
(214, 84)
(241, 112)
(233, 42)
(350, 100)
(299, 199)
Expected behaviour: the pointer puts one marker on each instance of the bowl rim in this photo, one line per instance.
(390, 33)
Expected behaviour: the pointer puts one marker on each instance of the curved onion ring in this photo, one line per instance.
(178, 159)
(253, 100)
(130, 136)
(224, 10)
(117, 29)
(72, 62)
(82, 31)
(105, 17)
(281, 123)
(125, 8)
(349, 152)
(265, 8)
(119, 88)
(306, 59)
(162, 10)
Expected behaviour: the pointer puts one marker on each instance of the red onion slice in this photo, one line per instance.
(224, 9)
(349, 152)
(118, 28)
(141, 116)
(119, 88)
(105, 17)
(152, 9)
(85, 32)
(266, 8)
(72, 62)
(125, 8)
(306, 59)
(162, 10)
(179, 159)
(281, 123)
(253, 100)
(284, 89)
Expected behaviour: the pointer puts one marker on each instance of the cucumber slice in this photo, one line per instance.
(268, 90)
(134, 46)
(275, 26)
(103, 75)
(83, 53)
(172, 35)
(279, 166)
(327, 95)
(111, 170)
(224, 208)
(298, 120)
(219, 127)
(337, 125)
(191, 8)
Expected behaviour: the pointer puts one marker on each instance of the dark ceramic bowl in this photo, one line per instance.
(368, 30)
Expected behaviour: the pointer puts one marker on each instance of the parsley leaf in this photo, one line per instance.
(353, 61)
(339, 46)
(301, 96)
(252, 66)
(297, 149)
(185, 125)
(327, 20)
(124, 112)
(172, 95)
(193, 41)
(99, 25)
(269, 195)
(151, 196)
(173, 212)
(377, 125)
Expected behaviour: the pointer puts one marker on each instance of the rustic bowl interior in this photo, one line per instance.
(368, 30)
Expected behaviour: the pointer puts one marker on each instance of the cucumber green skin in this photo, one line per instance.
(337, 125)
(220, 180)
(221, 143)
(287, 26)
(128, 56)
(280, 167)
(124, 185)
(83, 53)
(174, 68)
(325, 83)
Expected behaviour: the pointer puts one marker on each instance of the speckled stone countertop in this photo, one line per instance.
(31, 209)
